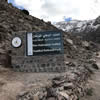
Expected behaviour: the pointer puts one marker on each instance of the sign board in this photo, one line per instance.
(44, 43)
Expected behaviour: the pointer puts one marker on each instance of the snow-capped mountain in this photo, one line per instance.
(71, 25)
(88, 29)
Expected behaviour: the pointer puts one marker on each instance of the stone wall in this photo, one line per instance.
(50, 63)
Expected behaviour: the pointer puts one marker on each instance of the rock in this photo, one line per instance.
(58, 83)
(65, 95)
(95, 66)
(85, 43)
(68, 86)
(21, 20)
(25, 11)
(98, 55)
(69, 41)
(49, 22)
(67, 63)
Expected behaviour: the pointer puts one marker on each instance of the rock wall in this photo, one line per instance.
(49, 63)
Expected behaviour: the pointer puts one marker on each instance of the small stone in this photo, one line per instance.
(68, 86)
(69, 41)
(66, 62)
(95, 66)
(21, 20)
(98, 55)
(65, 95)
(85, 43)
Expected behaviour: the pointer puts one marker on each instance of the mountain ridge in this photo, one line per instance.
(88, 29)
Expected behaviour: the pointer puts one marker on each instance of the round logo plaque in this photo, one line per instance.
(16, 42)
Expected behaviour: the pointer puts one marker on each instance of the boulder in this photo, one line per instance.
(25, 11)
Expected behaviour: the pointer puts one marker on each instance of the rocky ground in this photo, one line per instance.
(79, 59)
(71, 85)
(95, 84)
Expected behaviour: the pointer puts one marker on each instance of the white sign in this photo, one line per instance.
(29, 44)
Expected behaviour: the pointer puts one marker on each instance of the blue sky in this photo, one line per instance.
(60, 10)
(14, 4)
(67, 19)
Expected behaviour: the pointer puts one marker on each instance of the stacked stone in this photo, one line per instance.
(49, 63)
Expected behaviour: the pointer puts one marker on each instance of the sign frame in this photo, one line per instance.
(61, 41)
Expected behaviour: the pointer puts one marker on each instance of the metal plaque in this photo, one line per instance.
(41, 43)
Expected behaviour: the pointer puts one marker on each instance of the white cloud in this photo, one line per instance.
(55, 10)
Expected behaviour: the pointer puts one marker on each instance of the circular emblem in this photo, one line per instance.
(16, 42)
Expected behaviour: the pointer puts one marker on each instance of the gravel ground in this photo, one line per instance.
(95, 84)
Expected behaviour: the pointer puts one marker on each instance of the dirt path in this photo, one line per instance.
(95, 84)
(12, 83)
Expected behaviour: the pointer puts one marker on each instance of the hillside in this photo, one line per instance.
(13, 19)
